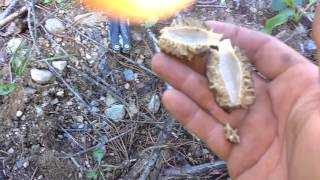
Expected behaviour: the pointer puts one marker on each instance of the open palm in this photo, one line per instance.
(279, 133)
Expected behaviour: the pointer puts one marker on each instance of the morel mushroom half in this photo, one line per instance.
(186, 39)
(229, 74)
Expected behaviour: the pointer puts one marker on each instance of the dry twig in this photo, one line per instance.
(13, 16)
(9, 9)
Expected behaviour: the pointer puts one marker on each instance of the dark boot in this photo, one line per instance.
(114, 35)
(125, 34)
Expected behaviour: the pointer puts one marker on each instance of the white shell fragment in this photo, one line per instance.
(231, 134)
(187, 38)
(230, 77)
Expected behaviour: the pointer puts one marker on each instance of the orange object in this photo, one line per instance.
(138, 10)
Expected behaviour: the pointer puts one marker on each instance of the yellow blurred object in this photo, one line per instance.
(138, 11)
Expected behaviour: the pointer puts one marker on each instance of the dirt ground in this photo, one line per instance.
(56, 136)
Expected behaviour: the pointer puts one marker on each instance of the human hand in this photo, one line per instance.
(279, 133)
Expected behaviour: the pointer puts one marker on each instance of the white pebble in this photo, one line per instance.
(19, 113)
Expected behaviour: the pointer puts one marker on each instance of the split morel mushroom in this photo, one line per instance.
(228, 70)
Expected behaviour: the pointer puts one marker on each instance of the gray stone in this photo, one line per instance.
(110, 100)
(79, 119)
(55, 26)
(55, 101)
(60, 65)
(10, 151)
(20, 163)
(116, 112)
(29, 91)
(94, 110)
(310, 47)
(133, 110)
(39, 111)
(128, 75)
(14, 44)
(154, 104)
(19, 114)
(41, 76)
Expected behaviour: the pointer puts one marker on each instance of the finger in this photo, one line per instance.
(269, 55)
(193, 85)
(197, 121)
(257, 132)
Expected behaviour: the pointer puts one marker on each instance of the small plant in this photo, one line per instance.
(98, 173)
(6, 89)
(287, 10)
(19, 61)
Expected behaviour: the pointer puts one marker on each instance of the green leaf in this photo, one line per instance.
(47, 1)
(6, 89)
(312, 1)
(278, 5)
(20, 62)
(99, 154)
(289, 3)
(278, 20)
(91, 174)
(59, 1)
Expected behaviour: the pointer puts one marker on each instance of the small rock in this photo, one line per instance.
(154, 104)
(60, 136)
(94, 110)
(88, 56)
(14, 44)
(140, 61)
(60, 65)
(10, 151)
(26, 164)
(253, 10)
(310, 47)
(94, 55)
(94, 103)
(19, 114)
(128, 75)
(69, 103)
(54, 102)
(127, 86)
(29, 91)
(205, 151)
(39, 111)
(55, 26)
(110, 100)
(116, 112)
(81, 126)
(20, 163)
(60, 93)
(133, 110)
(79, 119)
(40, 177)
(136, 36)
(41, 76)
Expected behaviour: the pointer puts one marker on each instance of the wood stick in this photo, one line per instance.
(13, 16)
(9, 9)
